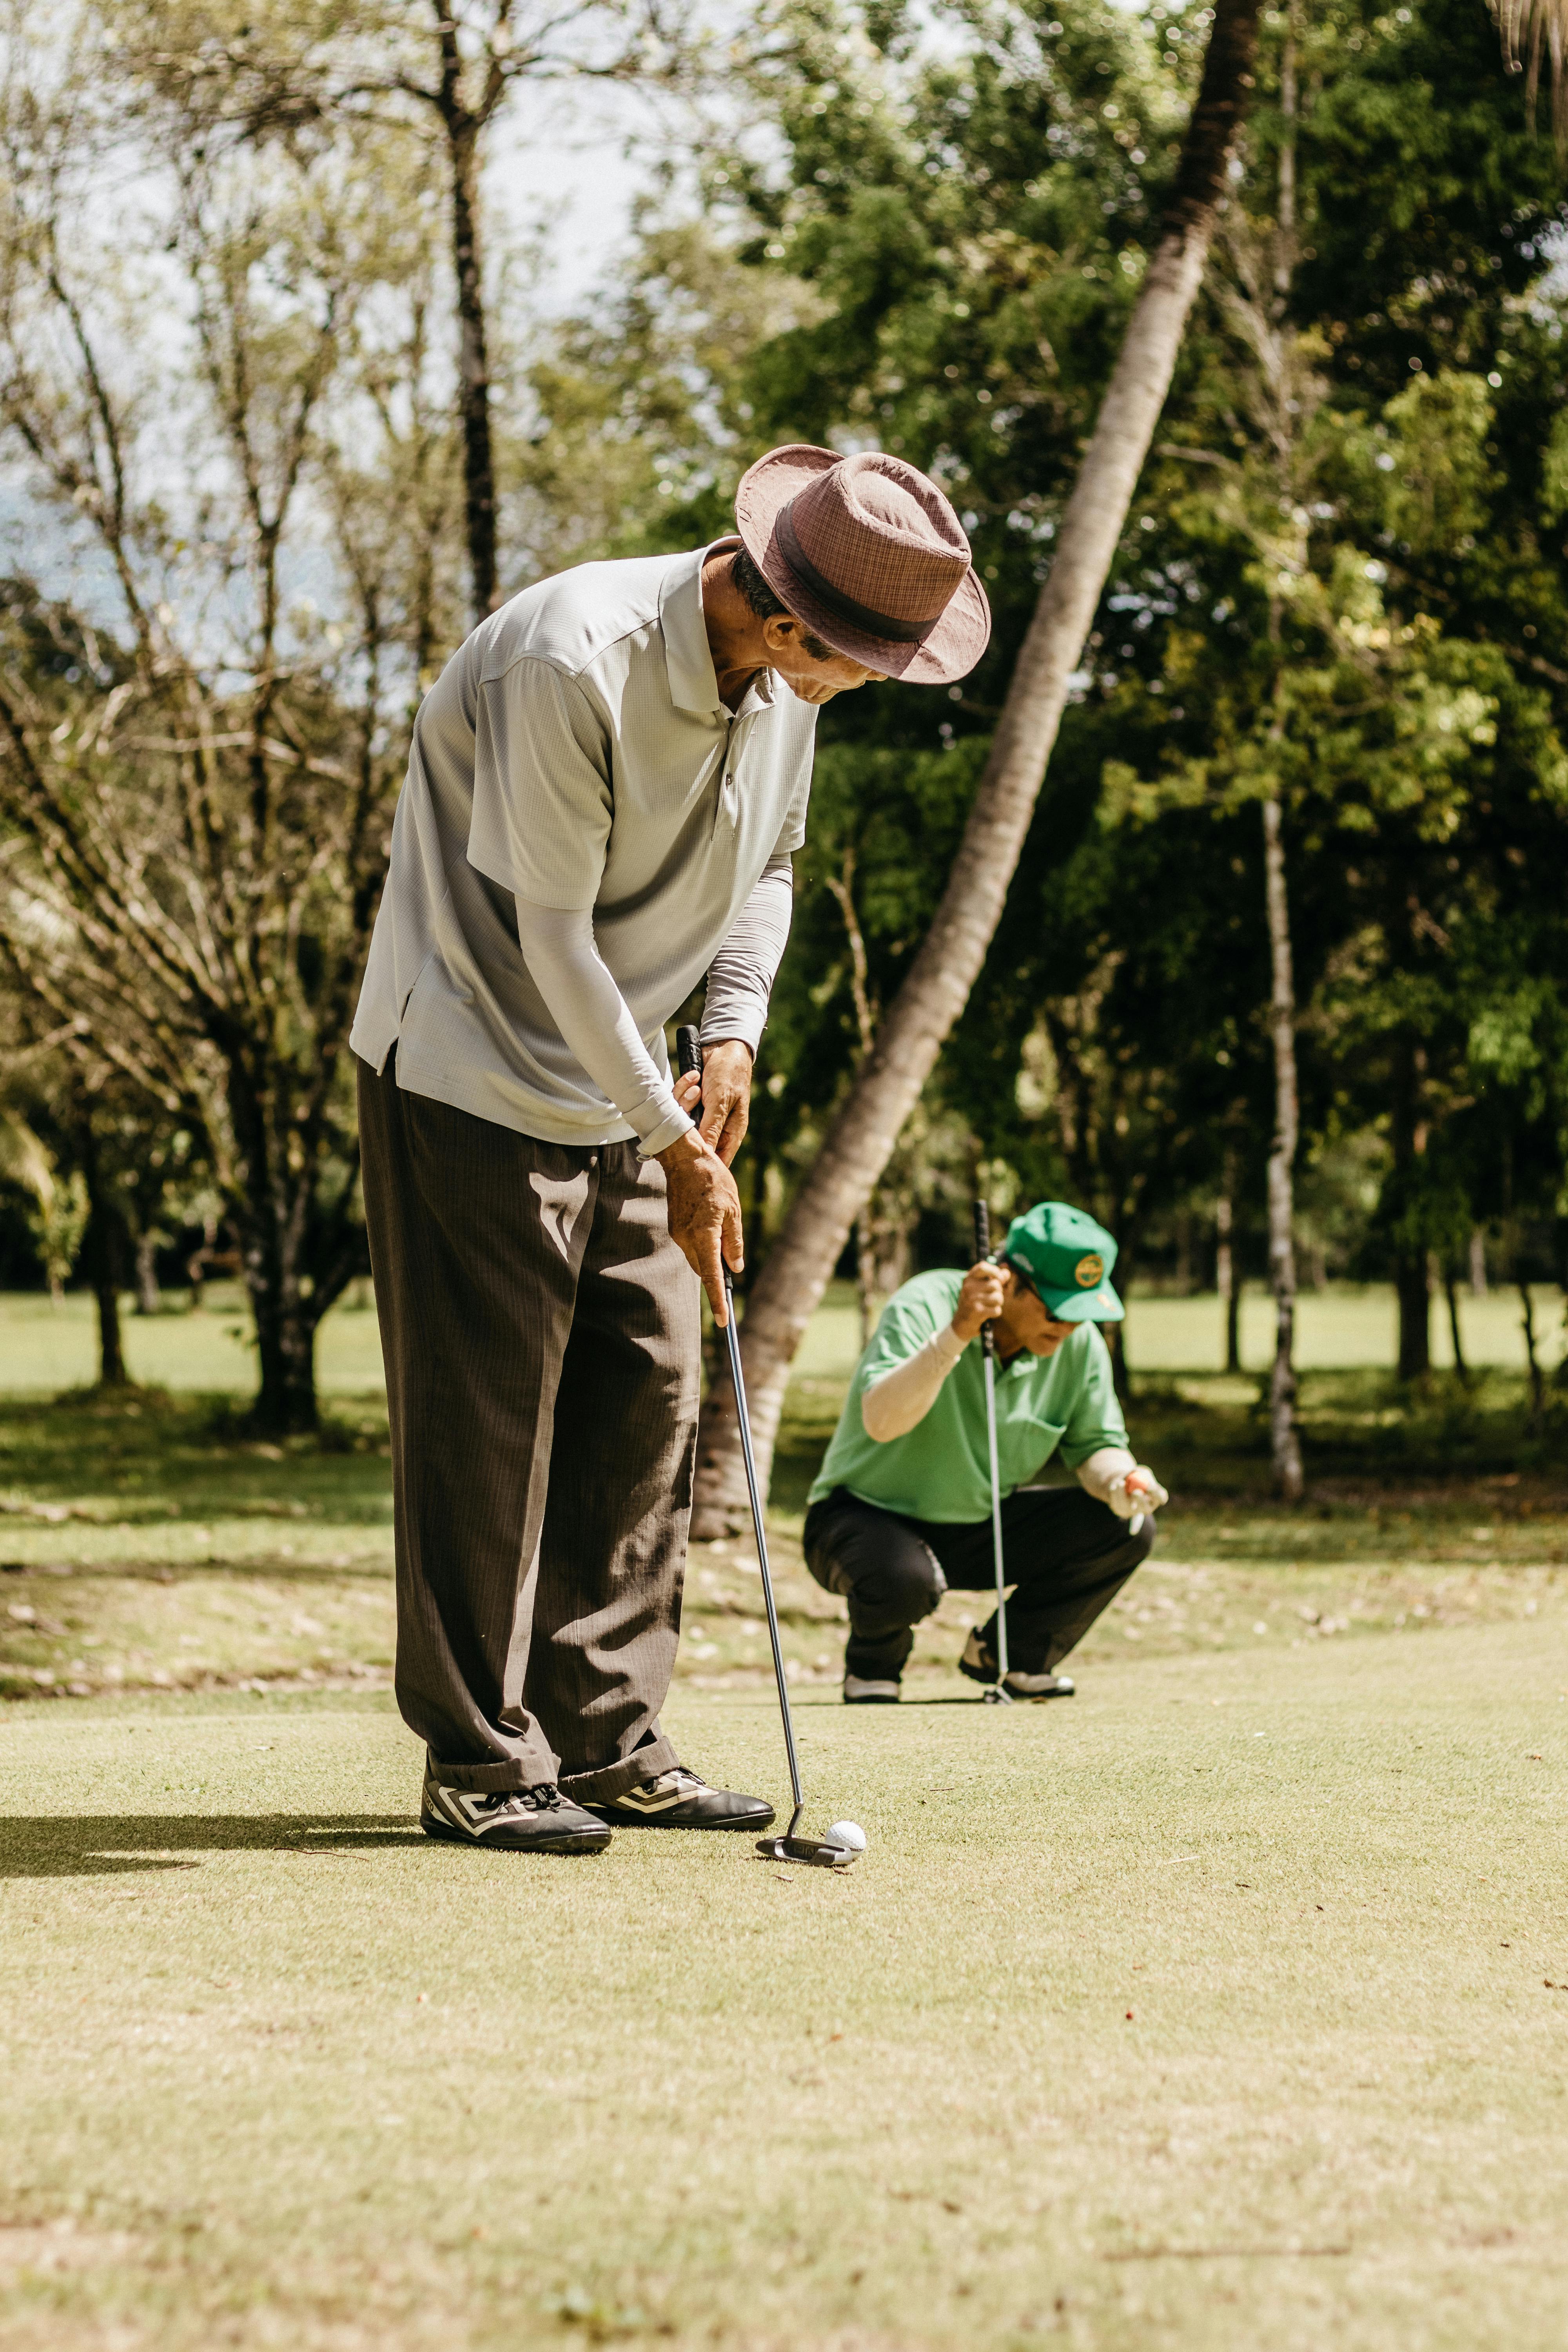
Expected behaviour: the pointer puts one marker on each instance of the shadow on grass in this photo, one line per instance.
(106, 1845)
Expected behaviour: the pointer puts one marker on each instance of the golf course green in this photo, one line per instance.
(1226, 2007)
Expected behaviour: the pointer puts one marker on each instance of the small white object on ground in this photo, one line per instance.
(850, 1835)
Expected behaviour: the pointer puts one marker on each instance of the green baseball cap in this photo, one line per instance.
(1068, 1259)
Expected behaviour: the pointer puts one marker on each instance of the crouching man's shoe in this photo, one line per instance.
(859, 1692)
(679, 1799)
(520, 1820)
(979, 1664)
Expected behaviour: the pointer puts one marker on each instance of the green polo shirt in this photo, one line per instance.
(940, 1470)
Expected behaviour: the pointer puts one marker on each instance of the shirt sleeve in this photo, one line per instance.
(907, 1324)
(581, 998)
(742, 976)
(897, 1401)
(792, 836)
(1096, 1419)
(542, 798)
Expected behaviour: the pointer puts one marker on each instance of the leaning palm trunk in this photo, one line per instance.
(889, 1082)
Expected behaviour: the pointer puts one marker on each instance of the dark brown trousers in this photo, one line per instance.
(542, 1341)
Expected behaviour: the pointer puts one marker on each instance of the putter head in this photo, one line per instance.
(997, 1696)
(815, 1852)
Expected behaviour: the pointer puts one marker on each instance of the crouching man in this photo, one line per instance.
(902, 1511)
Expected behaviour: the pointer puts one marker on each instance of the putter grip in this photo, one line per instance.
(689, 1048)
(983, 1249)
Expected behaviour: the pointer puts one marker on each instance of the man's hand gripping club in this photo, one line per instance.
(704, 1205)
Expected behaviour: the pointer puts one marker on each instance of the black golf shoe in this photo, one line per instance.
(979, 1664)
(679, 1799)
(520, 1821)
(860, 1692)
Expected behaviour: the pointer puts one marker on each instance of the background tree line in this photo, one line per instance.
(1291, 891)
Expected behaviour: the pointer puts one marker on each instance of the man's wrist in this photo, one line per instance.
(711, 1045)
(688, 1150)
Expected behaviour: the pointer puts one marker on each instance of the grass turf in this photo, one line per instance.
(1226, 2008)
(45, 1349)
(146, 1542)
(276, 2072)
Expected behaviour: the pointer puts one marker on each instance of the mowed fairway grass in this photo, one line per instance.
(1225, 2006)
(1228, 2010)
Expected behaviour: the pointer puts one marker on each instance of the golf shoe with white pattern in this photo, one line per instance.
(515, 1821)
(859, 1692)
(980, 1665)
(680, 1800)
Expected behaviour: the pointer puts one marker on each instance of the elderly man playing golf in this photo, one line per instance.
(605, 790)
(902, 1510)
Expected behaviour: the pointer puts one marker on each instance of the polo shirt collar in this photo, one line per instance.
(693, 682)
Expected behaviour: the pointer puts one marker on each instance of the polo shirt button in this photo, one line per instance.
(593, 1159)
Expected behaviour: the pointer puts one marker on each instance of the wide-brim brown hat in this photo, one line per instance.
(869, 554)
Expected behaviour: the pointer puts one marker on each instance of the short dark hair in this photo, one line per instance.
(767, 604)
(748, 578)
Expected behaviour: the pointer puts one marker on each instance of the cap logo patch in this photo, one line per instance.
(1088, 1270)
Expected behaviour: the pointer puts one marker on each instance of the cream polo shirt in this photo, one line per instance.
(574, 753)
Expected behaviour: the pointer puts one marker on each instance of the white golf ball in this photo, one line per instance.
(850, 1835)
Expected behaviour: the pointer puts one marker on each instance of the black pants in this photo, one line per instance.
(540, 1335)
(1065, 1556)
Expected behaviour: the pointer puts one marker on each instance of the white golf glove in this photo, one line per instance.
(1133, 1491)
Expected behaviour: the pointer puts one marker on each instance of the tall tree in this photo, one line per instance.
(287, 71)
(196, 776)
(932, 996)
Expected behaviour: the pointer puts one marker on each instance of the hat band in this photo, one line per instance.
(845, 608)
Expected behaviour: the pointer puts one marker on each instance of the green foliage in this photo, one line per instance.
(1336, 588)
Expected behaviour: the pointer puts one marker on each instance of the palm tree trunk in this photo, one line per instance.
(888, 1082)
(1284, 1437)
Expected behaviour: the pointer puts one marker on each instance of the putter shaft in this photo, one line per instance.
(738, 1376)
(988, 1346)
(688, 1053)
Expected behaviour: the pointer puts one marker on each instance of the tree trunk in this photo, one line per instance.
(285, 1403)
(1284, 1436)
(148, 1301)
(1115, 1337)
(1477, 1263)
(112, 1373)
(1413, 1293)
(101, 1252)
(866, 1274)
(462, 128)
(1451, 1289)
(1532, 1361)
(888, 1082)
(1412, 1269)
(1225, 1266)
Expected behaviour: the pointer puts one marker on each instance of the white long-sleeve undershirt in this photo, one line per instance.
(581, 996)
(901, 1399)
